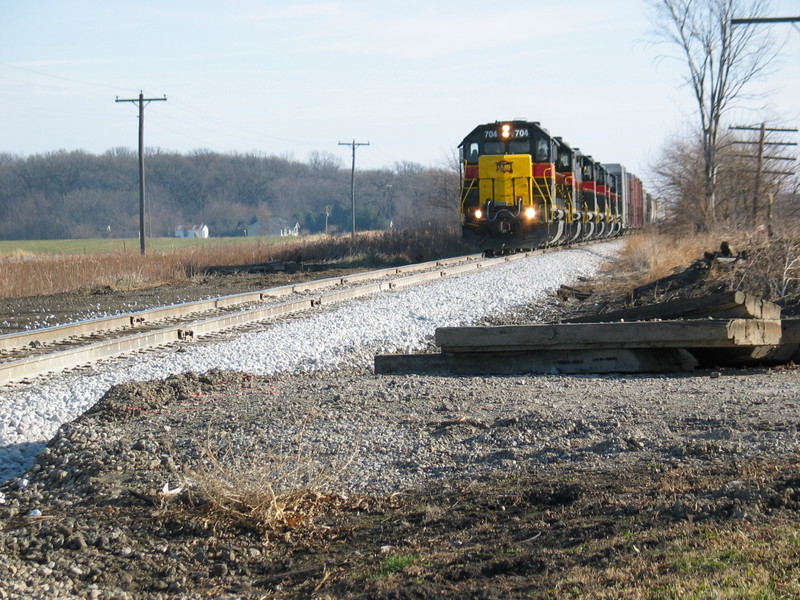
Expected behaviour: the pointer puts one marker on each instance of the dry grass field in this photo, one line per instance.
(53, 267)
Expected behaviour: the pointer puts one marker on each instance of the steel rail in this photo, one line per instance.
(34, 366)
(138, 319)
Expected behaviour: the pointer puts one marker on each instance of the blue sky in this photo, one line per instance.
(291, 78)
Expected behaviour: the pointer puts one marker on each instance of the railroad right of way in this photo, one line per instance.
(27, 354)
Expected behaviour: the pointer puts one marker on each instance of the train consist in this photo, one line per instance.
(523, 188)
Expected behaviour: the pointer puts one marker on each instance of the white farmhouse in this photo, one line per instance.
(191, 231)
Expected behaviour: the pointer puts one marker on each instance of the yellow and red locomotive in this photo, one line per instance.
(523, 188)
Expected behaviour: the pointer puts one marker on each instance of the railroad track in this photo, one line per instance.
(29, 354)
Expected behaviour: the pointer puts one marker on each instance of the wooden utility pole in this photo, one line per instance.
(141, 101)
(762, 138)
(353, 182)
(761, 145)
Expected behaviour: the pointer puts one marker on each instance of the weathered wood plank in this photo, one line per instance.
(647, 334)
(728, 305)
(668, 360)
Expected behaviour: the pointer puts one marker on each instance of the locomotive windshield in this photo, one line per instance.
(564, 160)
(494, 148)
(472, 155)
(519, 147)
(516, 147)
(542, 153)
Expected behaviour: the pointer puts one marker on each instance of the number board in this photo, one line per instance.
(493, 134)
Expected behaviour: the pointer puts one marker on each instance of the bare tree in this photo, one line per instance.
(721, 60)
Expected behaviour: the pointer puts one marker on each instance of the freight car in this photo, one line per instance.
(522, 188)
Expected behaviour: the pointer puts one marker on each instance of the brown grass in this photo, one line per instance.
(30, 275)
(250, 488)
(737, 560)
(770, 269)
(650, 256)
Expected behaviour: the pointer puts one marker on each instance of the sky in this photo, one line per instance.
(409, 77)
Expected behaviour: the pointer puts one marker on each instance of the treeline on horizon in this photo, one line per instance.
(76, 194)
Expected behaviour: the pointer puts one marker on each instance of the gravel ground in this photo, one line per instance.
(350, 334)
(119, 504)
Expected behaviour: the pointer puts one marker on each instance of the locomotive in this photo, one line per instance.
(522, 188)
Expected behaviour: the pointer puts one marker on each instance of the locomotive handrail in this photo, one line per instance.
(552, 188)
(517, 197)
(465, 193)
(548, 197)
(546, 215)
(570, 211)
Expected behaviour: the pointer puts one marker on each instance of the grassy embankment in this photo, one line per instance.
(770, 270)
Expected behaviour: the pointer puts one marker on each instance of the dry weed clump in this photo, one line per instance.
(251, 488)
(771, 269)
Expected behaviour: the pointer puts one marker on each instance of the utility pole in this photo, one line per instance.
(141, 100)
(353, 182)
(760, 157)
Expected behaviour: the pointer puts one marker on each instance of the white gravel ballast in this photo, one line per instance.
(351, 333)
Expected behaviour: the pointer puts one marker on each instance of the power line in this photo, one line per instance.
(250, 133)
(43, 74)
(141, 101)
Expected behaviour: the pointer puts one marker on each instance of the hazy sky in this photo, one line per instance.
(411, 77)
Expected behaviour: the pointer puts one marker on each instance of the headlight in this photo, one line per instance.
(478, 213)
(530, 212)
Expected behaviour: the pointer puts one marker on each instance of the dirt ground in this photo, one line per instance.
(632, 517)
(705, 523)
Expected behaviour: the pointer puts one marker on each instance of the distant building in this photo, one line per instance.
(291, 231)
(255, 229)
(191, 231)
(275, 226)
